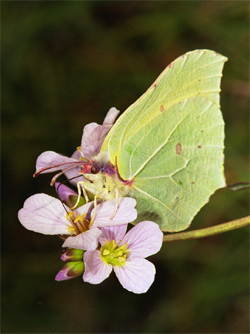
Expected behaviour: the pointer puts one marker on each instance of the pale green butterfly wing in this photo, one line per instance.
(182, 152)
(170, 141)
(196, 73)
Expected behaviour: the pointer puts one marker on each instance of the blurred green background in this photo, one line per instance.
(64, 64)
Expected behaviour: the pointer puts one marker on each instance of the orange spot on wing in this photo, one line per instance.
(178, 149)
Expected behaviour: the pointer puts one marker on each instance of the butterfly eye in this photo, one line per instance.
(94, 170)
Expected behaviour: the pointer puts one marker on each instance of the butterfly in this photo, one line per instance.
(166, 149)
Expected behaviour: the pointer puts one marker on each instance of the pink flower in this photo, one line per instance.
(45, 214)
(92, 140)
(126, 255)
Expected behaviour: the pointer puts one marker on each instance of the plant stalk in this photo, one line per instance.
(206, 232)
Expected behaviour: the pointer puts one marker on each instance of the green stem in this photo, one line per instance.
(206, 232)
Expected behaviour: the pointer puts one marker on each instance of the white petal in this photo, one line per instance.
(50, 159)
(136, 275)
(87, 240)
(125, 214)
(44, 214)
(96, 270)
(144, 239)
(113, 233)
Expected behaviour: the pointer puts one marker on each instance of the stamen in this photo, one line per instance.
(106, 252)
(70, 215)
(113, 254)
(79, 223)
(78, 218)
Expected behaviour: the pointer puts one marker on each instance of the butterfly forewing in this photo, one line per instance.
(196, 73)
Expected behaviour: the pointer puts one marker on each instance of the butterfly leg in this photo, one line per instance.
(80, 188)
(116, 202)
(94, 211)
(95, 205)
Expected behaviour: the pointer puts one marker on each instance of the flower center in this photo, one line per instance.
(79, 224)
(113, 254)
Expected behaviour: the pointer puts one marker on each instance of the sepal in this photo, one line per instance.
(73, 200)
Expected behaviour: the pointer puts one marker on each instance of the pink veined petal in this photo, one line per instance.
(85, 209)
(44, 214)
(87, 240)
(144, 239)
(111, 116)
(110, 233)
(77, 155)
(125, 214)
(90, 145)
(136, 275)
(96, 270)
(73, 174)
(94, 135)
(50, 158)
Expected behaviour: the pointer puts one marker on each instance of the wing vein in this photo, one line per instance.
(157, 200)
(163, 144)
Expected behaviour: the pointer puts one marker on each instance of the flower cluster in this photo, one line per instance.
(95, 240)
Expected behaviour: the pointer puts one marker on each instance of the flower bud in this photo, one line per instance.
(70, 270)
(71, 254)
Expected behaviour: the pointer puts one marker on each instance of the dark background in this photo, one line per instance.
(64, 64)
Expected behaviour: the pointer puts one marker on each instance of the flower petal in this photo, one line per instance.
(87, 240)
(91, 140)
(110, 233)
(94, 135)
(44, 214)
(73, 174)
(111, 116)
(144, 239)
(85, 209)
(50, 159)
(96, 270)
(125, 213)
(136, 275)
